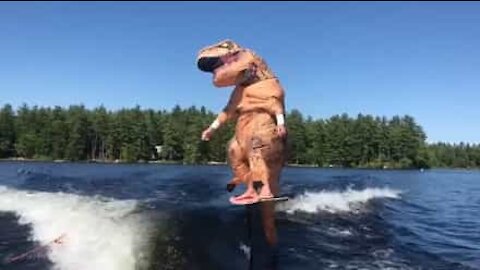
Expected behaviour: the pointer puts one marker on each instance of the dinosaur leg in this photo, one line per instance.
(259, 172)
(273, 158)
(241, 170)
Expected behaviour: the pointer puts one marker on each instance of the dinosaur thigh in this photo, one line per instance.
(238, 161)
(265, 156)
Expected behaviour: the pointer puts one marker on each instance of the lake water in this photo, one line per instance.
(125, 217)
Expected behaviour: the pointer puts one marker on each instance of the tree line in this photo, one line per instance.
(134, 134)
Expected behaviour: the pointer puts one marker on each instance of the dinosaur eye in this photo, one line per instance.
(225, 45)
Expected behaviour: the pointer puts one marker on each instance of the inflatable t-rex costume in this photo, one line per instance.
(256, 152)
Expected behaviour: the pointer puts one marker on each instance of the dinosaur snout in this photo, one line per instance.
(209, 64)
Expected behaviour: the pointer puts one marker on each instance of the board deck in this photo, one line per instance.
(274, 199)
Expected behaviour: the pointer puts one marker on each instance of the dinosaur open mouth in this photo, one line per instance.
(209, 64)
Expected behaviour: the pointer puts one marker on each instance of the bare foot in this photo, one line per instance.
(265, 193)
(248, 194)
(247, 199)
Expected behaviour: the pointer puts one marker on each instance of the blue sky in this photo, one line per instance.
(379, 58)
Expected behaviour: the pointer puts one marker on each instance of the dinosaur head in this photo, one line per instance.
(213, 56)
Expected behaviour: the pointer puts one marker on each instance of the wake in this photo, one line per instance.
(97, 233)
(336, 201)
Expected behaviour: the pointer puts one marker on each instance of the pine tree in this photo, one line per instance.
(297, 138)
(7, 132)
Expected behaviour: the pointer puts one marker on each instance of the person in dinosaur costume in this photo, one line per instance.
(256, 152)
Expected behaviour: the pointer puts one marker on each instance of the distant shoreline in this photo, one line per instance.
(215, 163)
(92, 161)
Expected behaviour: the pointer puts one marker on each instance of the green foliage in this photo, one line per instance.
(7, 131)
(297, 137)
(454, 155)
(76, 133)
